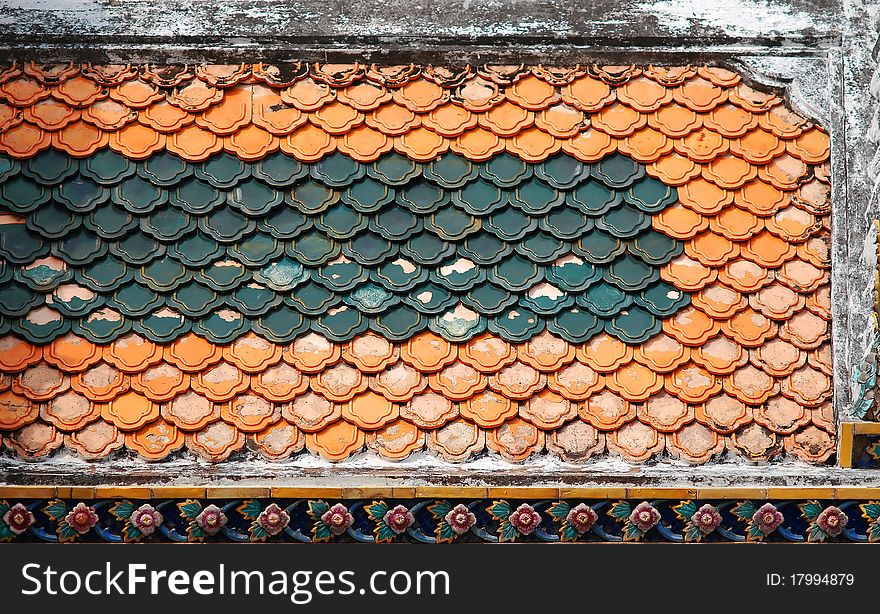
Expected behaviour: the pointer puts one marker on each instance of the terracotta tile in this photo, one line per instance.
(776, 301)
(311, 412)
(503, 74)
(478, 145)
(662, 353)
(636, 442)
(370, 353)
(487, 353)
(308, 94)
(618, 120)
(588, 94)
(755, 443)
(155, 441)
(730, 172)
(478, 95)
(370, 411)
(337, 441)
(222, 75)
(363, 96)
(167, 76)
(399, 382)
(278, 441)
(674, 169)
(23, 91)
(71, 353)
(272, 114)
(517, 381)
(252, 354)
(16, 411)
(730, 121)
(750, 385)
(449, 120)
(607, 411)
(813, 196)
(95, 441)
(109, 74)
(752, 100)
(457, 381)
(634, 382)
(365, 144)
(428, 352)
(545, 352)
(824, 417)
(279, 383)
(811, 444)
(590, 145)
(34, 440)
(576, 381)
(691, 326)
(251, 143)
(190, 353)
(216, 442)
(161, 382)
(130, 411)
(312, 353)
(17, 354)
(40, 382)
(80, 139)
(220, 382)
(101, 383)
(488, 409)
(760, 198)
(807, 386)
(421, 96)
(645, 145)
(702, 145)
(700, 95)
(339, 383)
(397, 440)
(736, 224)
(757, 146)
(532, 93)
(719, 355)
(250, 413)
(429, 410)
(51, 74)
(604, 353)
(675, 120)
(562, 120)
(109, 115)
(136, 94)
(778, 358)
(767, 250)
(801, 276)
(420, 144)
(515, 440)
(693, 384)
(749, 328)
(136, 141)
(193, 144)
(723, 413)
(49, 114)
(783, 122)
(532, 145)
(719, 302)
(812, 146)
(704, 197)
(458, 441)
(79, 92)
(695, 444)
(308, 143)
(670, 75)
(10, 116)
(336, 118)
(547, 410)
(782, 415)
(783, 172)
(506, 119)
(819, 302)
(575, 442)
(816, 250)
(393, 120)
(644, 94)
(679, 222)
(822, 358)
(195, 96)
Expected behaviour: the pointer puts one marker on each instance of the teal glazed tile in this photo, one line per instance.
(225, 171)
(163, 246)
(49, 167)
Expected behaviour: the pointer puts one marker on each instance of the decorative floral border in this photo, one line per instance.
(438, 521)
